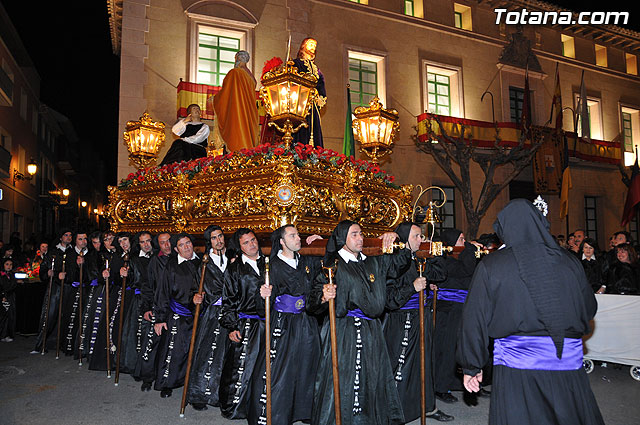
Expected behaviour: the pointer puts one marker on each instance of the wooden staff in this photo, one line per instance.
(423, 401)
(46, 314)
(106, 312)
(334, 346)
(64, 258)
(121, 318)
(205, 260)
(267, 340)
(80, 318)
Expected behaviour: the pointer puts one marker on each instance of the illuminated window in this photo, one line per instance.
(366, 78)
(408, 7)
(632, 64)
(630, 133)
(601, 55)
(442, 91)
(360, 1)
(462, 16)
(6, 85)
(594, 110)
(568, 47)
(213, 49)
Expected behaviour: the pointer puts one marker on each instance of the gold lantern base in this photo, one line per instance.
(288, 130)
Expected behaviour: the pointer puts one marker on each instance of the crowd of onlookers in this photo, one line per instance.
(611, 271)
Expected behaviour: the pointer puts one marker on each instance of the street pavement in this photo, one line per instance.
(37, 389)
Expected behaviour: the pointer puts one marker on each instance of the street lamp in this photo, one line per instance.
(32, 169)
(288, 96)
(375, 129)
(143, 139)
(84, 204)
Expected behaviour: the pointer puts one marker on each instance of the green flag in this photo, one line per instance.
(349, 143)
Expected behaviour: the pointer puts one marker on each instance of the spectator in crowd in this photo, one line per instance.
(592, 263)
(618, 238)
(561, 241)
(8, 286)
(622, 276)
(571, 242)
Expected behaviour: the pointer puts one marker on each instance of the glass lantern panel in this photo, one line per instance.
(274, 99)
(302, 103)
(294, 98)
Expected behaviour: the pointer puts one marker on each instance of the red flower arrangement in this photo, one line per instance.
(272, 63)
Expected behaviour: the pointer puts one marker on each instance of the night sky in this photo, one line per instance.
(70, 45)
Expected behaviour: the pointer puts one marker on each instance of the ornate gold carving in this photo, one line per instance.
(260, 192)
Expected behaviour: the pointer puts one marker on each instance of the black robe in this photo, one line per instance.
(132, 326)
(99, 350)
(146, 367)
(185, 151)
(94, 290)
(72, 305)
(368, 394)
(51, 302)
(499, 304)
(295, 348)
(593, 270)
(241, 296)
(212, 340)
(402, 333)
(448, 317)
(8, 287)
(178, 284)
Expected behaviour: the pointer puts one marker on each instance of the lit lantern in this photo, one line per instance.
(143, 139)
(375, 128)
(288, 96)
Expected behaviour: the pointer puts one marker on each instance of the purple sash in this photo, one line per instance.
(249, 316)
(358, 313)
(289, 304)
(413, 303)
(75, 284)
(455, 295)
(137, 292)
(537, 353)
(178, 308)
(94, 282)
(219, 302)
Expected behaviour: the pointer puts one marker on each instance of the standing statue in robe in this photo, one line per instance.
(305, 63)
(234, 107)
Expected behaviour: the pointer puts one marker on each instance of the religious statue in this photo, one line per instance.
(193, 134)
(234, 107)
(305, 63)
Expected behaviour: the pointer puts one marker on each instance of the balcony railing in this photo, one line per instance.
(482, 134)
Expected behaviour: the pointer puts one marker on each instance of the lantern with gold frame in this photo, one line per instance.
(143, 139)
(288, 96)
(375, 128)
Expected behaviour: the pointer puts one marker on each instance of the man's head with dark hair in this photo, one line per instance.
(621, 237)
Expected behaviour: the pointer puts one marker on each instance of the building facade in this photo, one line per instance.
(439, 56)
(31, 132)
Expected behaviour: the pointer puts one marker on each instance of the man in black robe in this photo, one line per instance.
(146, 368)
(295, 335)
(402, 329)
(534, 299)
(173, 309)
(212, 338)
(451, 296)
(240, 299)
(49, 269)
(368, 394)
(71, 313)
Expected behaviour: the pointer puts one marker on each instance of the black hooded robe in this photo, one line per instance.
(146, 367)
(504, 301)
(240, 297)
(212, 340)
(368, 393)
(178, 284)
(402, 333)
(295, 347)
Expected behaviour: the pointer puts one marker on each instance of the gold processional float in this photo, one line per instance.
(270, 185)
